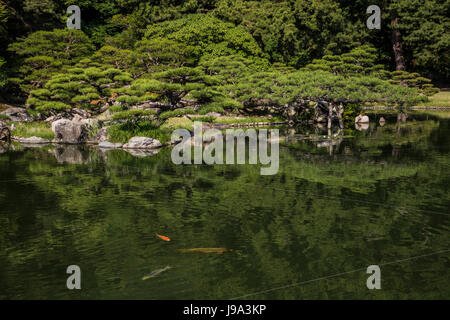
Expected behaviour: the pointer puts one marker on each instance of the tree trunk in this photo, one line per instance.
(397, 46)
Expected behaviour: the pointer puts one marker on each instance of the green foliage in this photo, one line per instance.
(292, 32)
(132, 113)
(220, 55)
(158, 54)
(414, 80)
(228, 69)
(168, 86)
(125, 131)
(45, 53)
(34, 129)
(208, 36)
(359, 61)
(174, 123)
(351, 111)
(425, 37)
(229, 120)
(320, 85)
(78, 87)
(3, 76)
(210, 108)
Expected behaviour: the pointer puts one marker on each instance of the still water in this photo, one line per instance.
(378, 196)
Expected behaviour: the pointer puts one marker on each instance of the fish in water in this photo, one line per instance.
(206, 250)
(155, 273)
(163, 237)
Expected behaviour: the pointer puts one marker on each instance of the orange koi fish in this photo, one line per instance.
(163, 237)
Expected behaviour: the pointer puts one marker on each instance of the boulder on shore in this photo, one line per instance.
(102, 135)
(67, 131)
(142, 143)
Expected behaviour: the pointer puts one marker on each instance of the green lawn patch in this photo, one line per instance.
(124, 132)
(441, 99)
(34, 129)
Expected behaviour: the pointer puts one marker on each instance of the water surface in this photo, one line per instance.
(376, 196)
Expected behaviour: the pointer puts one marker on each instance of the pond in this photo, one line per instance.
(373, 196)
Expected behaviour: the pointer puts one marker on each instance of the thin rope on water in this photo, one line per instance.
(335, 275)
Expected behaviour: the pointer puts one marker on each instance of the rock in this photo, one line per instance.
(156, 110)
(32, 140)
(142, 143)
(90, 123)
(142, 152)
(213, 114)
(110, 145)
(382, 121)
(82, 113)
(102, 135)
(77, 118)
(362, 119)
(55, 118)
(50, 119)
(70, 132)
(104, 107)
(5, 133)
(18, 115)
(322, 119)
(291, 112)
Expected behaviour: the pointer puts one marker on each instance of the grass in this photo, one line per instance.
(230, 120)
(441, 99)
(175, 123)
(210, 108)
(4, 117)
(176, 113)
(34, 129)
(203, 118)
(124, 132)
(132, 113)
(117, 108)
